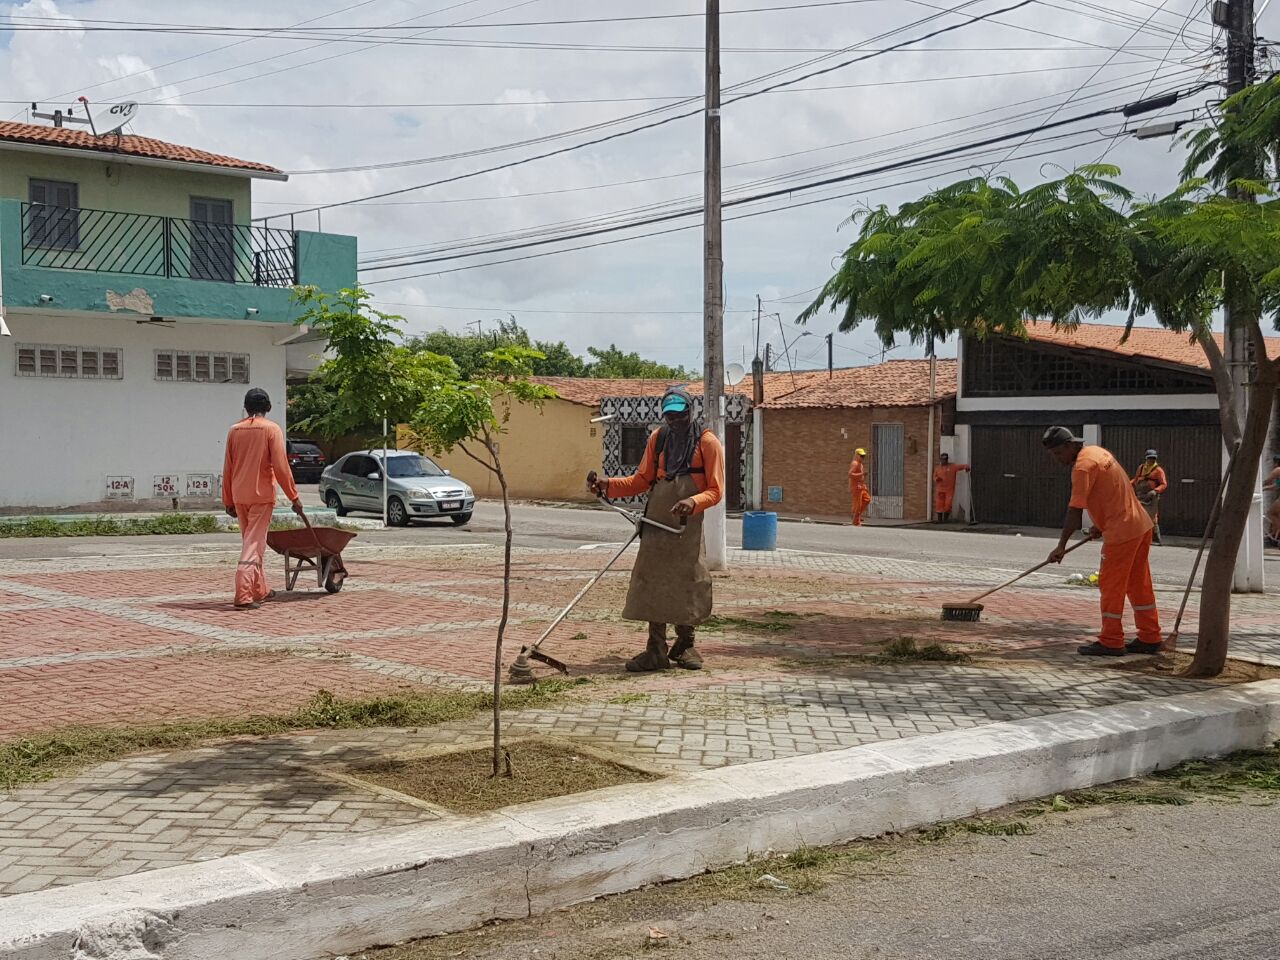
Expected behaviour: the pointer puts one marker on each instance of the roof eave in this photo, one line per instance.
(107, 156)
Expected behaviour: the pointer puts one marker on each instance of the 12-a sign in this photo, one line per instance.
(119, 488)
(200, 485)
(165, 485)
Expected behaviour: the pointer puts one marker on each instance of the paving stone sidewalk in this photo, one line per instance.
(120, 641)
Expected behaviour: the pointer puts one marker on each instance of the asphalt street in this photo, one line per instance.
(544, 526)
(1111, 883)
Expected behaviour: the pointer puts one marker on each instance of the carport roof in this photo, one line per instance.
(1145, 343)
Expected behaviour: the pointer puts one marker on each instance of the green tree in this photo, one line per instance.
(469, 350)
(983, 257)
(613, 364)
(470, 414)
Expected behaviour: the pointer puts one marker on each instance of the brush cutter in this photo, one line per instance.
(520, 671)
(1171, 641)
(971, 612)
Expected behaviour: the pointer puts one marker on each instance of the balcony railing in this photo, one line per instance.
(105, 241)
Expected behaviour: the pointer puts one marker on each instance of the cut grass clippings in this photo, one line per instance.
(775, 621)
(165, 524)
(904, 650)
(463, 781)
(1177, 664)
(47, 755)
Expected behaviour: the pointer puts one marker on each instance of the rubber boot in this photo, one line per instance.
(655, 656)
(1155, 535)
(683, 654)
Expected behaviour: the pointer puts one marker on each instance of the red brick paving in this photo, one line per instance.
(55, 630)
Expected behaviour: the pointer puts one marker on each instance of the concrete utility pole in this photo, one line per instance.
(713, 284)
(831, 356)
(1241, 73)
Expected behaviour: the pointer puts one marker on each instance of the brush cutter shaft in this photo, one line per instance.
(638, 518)
(582, 593)
(1038, 566)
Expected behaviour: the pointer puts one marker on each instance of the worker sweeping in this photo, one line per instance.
(683, 472)
(1149, 483)
(859, 493)
(944, 486)
(1100, 485)
(256, 460)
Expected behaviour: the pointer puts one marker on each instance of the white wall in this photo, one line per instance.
(61, 438)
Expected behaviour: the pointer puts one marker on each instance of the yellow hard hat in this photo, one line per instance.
(860, 452)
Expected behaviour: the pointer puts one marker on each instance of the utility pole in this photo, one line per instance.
(713, 282)
(1241, 73)
(831, 355)
(768, 358)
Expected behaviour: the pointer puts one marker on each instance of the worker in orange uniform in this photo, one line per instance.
(1149, 483)
(859, 493)
(683, 472)
(944, 486)
(256, 460)
(1100, 485)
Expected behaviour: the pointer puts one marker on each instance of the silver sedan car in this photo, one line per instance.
(417, 488)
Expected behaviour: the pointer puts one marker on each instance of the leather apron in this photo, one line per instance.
(670, 582)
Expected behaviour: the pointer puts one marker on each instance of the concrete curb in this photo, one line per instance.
(333, 896)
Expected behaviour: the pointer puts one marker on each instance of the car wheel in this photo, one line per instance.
(397, 515)
(461, 519)
(334, 503)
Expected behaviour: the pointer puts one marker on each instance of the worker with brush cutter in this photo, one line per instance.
(683, 472)
(1100, 485)
(1149, 483)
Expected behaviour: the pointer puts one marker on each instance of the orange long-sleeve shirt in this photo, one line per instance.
(708, 457)
(256, 460)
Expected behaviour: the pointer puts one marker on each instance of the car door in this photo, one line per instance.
(355, 483)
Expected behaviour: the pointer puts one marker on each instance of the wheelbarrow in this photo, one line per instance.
(313, 548)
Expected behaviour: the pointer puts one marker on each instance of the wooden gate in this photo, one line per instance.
(1015, 481)
(1192, 460)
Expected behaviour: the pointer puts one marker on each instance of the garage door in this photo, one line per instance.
(1015, 481)
(1192, 459)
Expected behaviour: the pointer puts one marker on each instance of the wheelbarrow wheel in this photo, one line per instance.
(333, 582)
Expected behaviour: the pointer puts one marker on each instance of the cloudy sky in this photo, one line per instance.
(481, 78)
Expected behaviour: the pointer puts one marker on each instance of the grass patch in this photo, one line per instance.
(464, 782)
(629, 698)
(166, 524)
(44, 756)
(904, 650)
(774, 621)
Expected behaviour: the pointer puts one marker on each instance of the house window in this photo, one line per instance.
(54, 217)
(634, 440)
(201, 367)
(79, 363)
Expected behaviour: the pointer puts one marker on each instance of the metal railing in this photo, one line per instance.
(105, 241)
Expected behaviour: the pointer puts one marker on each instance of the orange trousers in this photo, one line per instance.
(1126, 572)
(861, 500)
(251, 582)
(943, 500)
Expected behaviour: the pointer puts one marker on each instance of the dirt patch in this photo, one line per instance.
(463, 781)
(1176, 665)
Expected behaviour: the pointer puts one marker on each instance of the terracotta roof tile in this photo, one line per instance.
(589, 391)
(1152, 343)
(894, 383)
(127, 144)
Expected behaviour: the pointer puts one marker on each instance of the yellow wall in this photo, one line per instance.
(545, 453)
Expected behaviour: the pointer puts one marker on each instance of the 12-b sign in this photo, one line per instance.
(199, 485)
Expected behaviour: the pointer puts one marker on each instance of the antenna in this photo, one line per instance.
(734, 374)
(113, 118)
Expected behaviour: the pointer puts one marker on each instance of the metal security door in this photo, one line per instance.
(888, 473)
(1015, 481)
(732, 467)
(1192, 460)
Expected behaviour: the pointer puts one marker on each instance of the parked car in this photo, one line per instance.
(306, 461)
(417, 488)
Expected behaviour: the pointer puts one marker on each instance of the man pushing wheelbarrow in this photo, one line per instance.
(683, 472)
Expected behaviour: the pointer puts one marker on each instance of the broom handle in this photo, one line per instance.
(1209, 528)
(1039, 566)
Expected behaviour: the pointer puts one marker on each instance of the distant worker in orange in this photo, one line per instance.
(859, 492)
(944, 486)
(256, 460)
(1148, 483)
(1100, 485)
(1273, 515)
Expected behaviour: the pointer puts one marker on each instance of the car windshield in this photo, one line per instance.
(404, 467)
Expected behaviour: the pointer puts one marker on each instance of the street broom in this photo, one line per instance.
(971, 612)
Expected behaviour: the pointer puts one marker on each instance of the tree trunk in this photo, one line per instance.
(1219, 571)
(506, 607)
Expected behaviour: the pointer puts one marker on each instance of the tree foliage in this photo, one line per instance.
(470, 350)
(612, 364)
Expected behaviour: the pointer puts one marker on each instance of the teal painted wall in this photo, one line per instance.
(325, 260)
(125, 187)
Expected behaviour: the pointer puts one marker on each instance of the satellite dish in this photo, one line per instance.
(734, 374)
(114, 117)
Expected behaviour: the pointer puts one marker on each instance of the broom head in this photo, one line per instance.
(962, 612)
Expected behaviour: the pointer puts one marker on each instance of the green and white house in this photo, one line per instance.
(141, 304)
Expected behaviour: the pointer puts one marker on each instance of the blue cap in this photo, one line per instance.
(674, 404)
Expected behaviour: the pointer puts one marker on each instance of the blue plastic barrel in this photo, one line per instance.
(759, 530)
